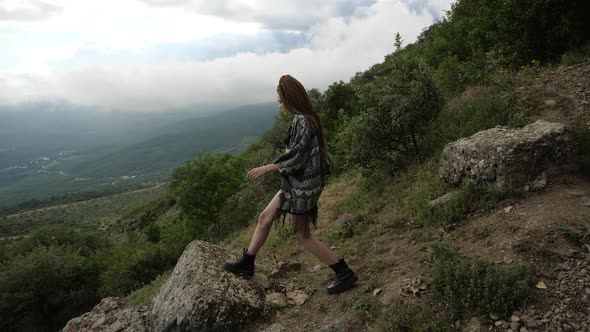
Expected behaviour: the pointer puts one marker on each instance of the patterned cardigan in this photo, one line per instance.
(303, 174)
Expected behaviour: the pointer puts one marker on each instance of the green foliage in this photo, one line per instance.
(476, 287)
(144, 295)
(349, 228)
(576, 56)
(469, 198)
(477, 109)
(202, 187)
(397, 109)
(416, 317)
(42, 289)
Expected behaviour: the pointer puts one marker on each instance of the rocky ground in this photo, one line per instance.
(561, 95)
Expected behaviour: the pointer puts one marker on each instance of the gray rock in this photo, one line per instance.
(111, 315)
(507, 156)
(474, 325)
(201, 296)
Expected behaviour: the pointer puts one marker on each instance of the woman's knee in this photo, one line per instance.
(265, 218)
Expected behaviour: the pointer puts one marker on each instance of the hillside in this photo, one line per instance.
(546, 230)
(126, 156)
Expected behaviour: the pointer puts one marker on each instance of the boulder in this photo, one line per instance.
(201, 296)
(111, 315)
(509, 156)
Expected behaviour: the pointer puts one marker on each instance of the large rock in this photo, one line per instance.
(201, 296)
(508, 156)
(111, 315)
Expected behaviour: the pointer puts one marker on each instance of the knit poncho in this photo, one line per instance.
(303, 174)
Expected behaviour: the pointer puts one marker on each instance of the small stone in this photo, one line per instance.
(297, 297)
(499, 323)
(473, 325)
(494, 316)
(377, 291)
(285, 265)
(550, 102)
(514, 326)
(278, 300)
(545, 320)
(541, 285)
(548, 314)
(515, 319)
(508, 209)
(523, 329)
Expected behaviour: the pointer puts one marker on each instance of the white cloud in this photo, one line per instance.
(26, 10)
(339, 47)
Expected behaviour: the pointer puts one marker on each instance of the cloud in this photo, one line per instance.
(27, 10)
(217, 46)
(436, 8)
(332, 49)
(272, 14)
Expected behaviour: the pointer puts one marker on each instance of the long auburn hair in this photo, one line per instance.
(295, 100)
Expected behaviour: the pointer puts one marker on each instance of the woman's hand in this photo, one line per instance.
(256, 172)
(259, 171)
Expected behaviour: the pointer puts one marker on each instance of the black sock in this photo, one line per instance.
(339, 267)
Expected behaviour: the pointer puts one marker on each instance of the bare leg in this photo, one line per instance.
(316, 247)
(264, 225)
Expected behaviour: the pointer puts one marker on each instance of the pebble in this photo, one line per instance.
(515, 326)
(515, 319)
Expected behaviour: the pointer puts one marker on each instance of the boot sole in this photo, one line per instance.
(346, 285)
(243, 273)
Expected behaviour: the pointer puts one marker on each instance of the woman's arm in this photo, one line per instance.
(258, 171)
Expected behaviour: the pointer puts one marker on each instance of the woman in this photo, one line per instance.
(303, 169)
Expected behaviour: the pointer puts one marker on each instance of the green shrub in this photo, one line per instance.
(401, 317)
(476, 287)
(397, 109)
(469, 198)
(576, 56)
(477, 109)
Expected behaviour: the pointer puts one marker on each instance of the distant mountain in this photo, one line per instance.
(61, 151)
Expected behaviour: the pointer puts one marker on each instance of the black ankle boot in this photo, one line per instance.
(243, 266)
(345, 278)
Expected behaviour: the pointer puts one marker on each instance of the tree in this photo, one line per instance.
(396, 111)
(398, 41)
(202, 186)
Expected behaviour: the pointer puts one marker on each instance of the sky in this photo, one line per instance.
(145, 55)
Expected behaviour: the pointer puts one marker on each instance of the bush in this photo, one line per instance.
(477, 109)
(469, 198)
(42, 289)
(397, 109)
(401, 316)
(476, 287)
(576, 56)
